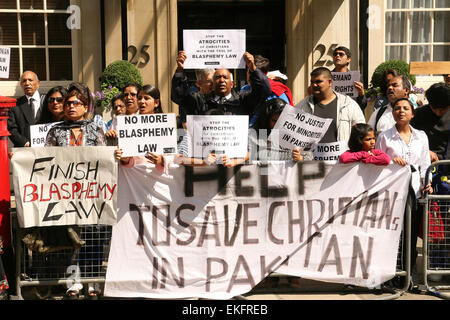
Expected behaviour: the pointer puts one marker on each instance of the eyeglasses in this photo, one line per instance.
(74, 102)
(130, 94)
(341, 54)
(59, 99)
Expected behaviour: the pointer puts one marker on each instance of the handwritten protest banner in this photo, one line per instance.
(38, 133)
(222, 135)
(219, 231)
(329, 151)
(5, 57)
(65, 186)
(344, 82)
(214, 49)
(296, 129)
(139, 134)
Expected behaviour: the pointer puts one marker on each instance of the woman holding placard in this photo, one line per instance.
(76, 130)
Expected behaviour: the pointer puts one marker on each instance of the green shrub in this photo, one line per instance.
(401, 66)
(120, 73)
(116, 76)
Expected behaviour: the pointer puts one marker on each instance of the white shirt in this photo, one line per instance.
(416, 153)
(385, 122)
(36, 102)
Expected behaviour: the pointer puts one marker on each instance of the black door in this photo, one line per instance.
(264, 22)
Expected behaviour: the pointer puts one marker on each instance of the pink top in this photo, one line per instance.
(378, 157)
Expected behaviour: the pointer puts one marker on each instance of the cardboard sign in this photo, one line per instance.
(214, 49)
(57, 186)
(300, 130)
(155, 133)
(5, 57)
(38, 133)
(221, 135)
(344, 82)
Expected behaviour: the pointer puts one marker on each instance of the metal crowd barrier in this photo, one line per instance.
(436, 240)
(61, 267)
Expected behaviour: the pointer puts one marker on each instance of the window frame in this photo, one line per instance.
(408, 44)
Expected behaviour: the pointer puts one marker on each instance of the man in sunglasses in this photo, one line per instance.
(342, 57)
(26, 111)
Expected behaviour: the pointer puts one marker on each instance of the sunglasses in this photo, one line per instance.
(75, 103)
(340, 54)
(59, 99)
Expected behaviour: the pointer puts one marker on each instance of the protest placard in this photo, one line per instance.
(221, 231)
(65, 186)
(221, 135)
(296, 129)
(5, 57)
(214, 49)
(329, 152)
(155, 133)
(38, 133)
(344, 82)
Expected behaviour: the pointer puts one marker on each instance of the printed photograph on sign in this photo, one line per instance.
(220, 135)
(295, 129)
(154, 133)
(214, 49)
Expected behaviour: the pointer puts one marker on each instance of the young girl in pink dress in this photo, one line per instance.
(362, 147)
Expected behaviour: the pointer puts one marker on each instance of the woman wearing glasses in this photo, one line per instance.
(77, 130)
(52, 108)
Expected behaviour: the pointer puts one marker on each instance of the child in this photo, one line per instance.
(362, 147)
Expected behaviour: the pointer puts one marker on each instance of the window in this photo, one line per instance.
(38, 36)
(417, 30)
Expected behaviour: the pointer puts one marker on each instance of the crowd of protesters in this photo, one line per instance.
(399, 131)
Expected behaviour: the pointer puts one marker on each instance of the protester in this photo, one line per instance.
(130, 93)
(362, 147)
(118, 105)
(382, 119)
(52, 107)
(408, 146)
(26, 111)
(434, 118)
(342, 57)
(326, 103)
(149, 102)
(76, 130)
(225, 98)
(383, 100)
(447, 78)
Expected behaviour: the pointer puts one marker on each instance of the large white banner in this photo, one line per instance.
(65, 186)
(216, 233)
(216, 49)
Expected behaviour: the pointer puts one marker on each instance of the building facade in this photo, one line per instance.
(74, 40)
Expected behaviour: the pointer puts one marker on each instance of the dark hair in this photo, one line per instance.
(384, 84)
(262, 63)
(404, 99)
(357, 134)
(46, 116)
(82, 92)
(342, 48)
(214, 112)
(153, 92)
(321, 71)
(135, 85)
(118, 97)
(268, 109)
(438, 95)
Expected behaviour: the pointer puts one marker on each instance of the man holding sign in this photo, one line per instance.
(328, 104)
(225, 98)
